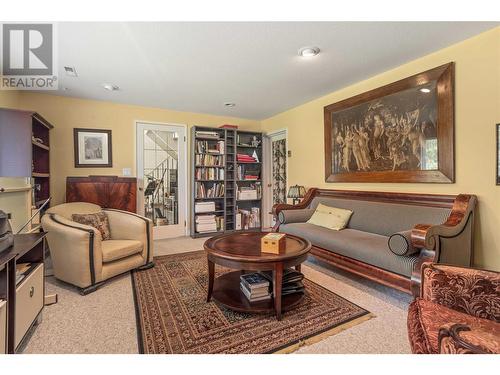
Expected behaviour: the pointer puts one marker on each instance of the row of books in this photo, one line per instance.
(214, 191)
(207, 173)
(207, 134)
(206, 147)
(200, 207)
(247, 219)
(245, 173)
(258, 286)
(209, 160)
(244, 158)
(209, 223)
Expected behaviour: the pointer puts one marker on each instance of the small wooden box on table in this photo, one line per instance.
(273, 243)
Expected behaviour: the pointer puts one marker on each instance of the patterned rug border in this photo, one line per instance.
(286, 349)
(140, 340)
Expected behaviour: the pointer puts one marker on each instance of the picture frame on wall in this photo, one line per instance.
(498, 156)
(93, 148)
(400, 132)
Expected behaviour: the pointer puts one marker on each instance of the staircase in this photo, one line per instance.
(160, 194)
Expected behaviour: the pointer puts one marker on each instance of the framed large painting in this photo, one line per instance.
(92, 148)
(401, 132)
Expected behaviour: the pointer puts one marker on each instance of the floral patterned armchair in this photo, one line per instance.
(458, 311)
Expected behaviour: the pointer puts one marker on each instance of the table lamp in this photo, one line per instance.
(296, 192)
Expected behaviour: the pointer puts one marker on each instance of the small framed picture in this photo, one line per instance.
(92, 148)
(498, 155)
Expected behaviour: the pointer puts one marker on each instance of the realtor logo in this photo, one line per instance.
(28, 57)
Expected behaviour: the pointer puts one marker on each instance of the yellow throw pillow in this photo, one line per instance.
(330, 217)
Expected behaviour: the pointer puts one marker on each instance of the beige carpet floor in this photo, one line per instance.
(104, 321)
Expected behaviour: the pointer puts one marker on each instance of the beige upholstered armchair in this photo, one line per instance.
(79, 255)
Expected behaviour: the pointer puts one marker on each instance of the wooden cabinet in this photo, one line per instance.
(23, 299)
(29, 301)
(106, 191)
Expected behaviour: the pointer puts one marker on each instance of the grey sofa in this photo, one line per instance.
(389, 235)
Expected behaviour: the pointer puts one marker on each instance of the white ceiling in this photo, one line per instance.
(197, 67)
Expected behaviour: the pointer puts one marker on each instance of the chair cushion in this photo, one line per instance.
(363, 246)
(118, 249)
(425, 318)
(98, 220)
(330, 217)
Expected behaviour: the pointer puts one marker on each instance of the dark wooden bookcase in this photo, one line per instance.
(40, 159)
(225, 172)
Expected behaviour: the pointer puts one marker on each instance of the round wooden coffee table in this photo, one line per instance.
(241, 251)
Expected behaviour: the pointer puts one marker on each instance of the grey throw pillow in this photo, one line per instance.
(400, 243)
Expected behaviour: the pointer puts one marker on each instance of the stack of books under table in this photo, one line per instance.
(258, 286)
(255, 287)
(292, 281)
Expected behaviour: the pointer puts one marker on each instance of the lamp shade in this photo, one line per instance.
(296, 191)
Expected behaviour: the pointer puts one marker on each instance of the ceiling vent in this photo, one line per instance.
(70, 71)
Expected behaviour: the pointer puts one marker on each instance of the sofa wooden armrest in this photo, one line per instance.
(304, 203)
(439, 242)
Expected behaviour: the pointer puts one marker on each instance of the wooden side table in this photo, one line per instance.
(241, 251)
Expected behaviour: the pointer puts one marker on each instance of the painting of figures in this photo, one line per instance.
(391, 133)
(401, 132)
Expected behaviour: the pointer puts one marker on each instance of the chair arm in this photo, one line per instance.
(472, 291)
(75, 250)
(126, 225)
(460, 339)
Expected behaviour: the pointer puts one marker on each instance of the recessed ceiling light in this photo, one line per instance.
(110, 87)
(70, 71)
(425, 90)
(308, 51)
(229, 104)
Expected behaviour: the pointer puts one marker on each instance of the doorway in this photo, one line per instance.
(161, 177)
(276, 171)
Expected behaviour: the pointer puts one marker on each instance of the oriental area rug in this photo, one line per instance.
(174, 317)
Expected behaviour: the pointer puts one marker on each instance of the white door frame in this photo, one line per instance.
(269, 172)
(182, 191)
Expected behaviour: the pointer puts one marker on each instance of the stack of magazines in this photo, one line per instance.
(255, 287)
(292, 281)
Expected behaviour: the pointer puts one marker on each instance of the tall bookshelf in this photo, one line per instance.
(40, 144)
(223, 166)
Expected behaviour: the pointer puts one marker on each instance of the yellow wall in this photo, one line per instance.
(477, 109)
(9, 99)
(68, 113)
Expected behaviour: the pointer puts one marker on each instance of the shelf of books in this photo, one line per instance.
(248, 180)
(226, 180)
